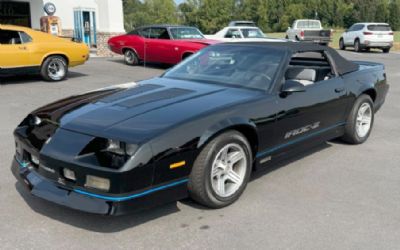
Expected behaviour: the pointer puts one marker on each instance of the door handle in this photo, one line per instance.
(339, 90)
(22, 48)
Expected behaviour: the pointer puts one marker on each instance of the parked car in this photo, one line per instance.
(199, 129)
(242, 23)
(27, 51)
(240, 33)
(364, 36)
(309, 31)
(168, 44)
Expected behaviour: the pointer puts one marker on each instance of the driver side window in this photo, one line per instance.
(159, 33)
(309, 68)
(9, 37)
(232, 33)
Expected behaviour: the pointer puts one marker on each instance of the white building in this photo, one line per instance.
(92, 21)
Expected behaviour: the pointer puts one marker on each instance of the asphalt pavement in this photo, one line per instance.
(334, 196)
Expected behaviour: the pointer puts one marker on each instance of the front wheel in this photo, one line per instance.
(360, 121)
(221, 171)
(386, 50)
(341, 45)
(54, 68)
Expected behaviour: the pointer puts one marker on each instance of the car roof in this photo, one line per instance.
(308, 20)
(13, 27)
(343, 66)
(373, 23)
(165, 26)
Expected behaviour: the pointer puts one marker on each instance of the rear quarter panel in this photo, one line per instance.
(119, 43)
(370, 76)
(44, 45)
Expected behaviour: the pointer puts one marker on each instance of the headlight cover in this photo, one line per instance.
(109, 153)
(121, 148)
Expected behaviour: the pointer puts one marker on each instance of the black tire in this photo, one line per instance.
(386, 50)
(200, 186)
(351, 136)
(286, 37)
(54, 68)
(357, 46)
(131, 58)
(186, 56)
(341, 44)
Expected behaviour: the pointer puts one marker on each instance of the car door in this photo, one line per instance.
(346, 35)
(317, 112)
(15, 50)
(159, 47)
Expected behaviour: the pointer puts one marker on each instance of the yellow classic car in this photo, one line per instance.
(26, 51)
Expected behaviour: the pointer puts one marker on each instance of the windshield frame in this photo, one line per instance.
(274, 79)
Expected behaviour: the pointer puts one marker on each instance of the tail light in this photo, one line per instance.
(302, 33)
(390, 33)
(367, 33)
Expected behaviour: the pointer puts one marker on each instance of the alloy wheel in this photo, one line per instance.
(228, 170)
(363, 120)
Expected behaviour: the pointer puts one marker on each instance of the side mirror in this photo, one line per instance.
(291, 86)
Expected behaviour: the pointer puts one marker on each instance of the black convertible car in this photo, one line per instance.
(198, 130)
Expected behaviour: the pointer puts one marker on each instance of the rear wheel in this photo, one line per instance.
(357, 47)
(130, 57)
(341, 44)
(54, 68)
(221, 171)
(386, 50)
(360, 121)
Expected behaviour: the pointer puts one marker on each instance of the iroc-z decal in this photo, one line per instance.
(302, 130)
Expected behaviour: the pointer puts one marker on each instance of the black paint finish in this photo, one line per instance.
(170, 121)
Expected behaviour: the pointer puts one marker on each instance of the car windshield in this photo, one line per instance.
(235, 65)
(309, 24)
(379, 27)
(186, 33)
(252, 33)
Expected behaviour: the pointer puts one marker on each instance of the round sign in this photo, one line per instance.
(50, 9)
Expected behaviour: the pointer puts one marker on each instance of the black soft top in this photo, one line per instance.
(343, 66)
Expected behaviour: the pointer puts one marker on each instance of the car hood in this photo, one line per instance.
(135, 112)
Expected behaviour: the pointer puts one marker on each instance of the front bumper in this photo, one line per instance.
(93, 203)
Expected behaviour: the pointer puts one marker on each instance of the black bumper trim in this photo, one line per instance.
(94, 203)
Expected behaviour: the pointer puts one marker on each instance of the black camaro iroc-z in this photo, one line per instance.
(198, 130)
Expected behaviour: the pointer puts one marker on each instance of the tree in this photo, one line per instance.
(213, 15)
(394, 14)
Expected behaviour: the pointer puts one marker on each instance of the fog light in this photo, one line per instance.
(97, 182)
(69, 174)
(35, 160)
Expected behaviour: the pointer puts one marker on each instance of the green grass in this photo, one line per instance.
(336, 36)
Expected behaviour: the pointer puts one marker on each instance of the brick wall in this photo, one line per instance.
(102, 46)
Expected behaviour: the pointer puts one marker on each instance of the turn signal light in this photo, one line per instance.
(97, 183)
(69, 174)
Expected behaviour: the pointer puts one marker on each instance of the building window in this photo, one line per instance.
(17, 13)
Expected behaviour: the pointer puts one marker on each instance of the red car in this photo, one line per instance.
(168, 44)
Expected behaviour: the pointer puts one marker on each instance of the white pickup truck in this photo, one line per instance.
(309, 30)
